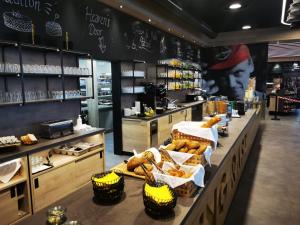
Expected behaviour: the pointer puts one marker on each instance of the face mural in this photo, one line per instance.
(228, 71)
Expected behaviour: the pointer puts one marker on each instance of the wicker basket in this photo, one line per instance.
(196, 159)
(188, 189)
(193, 161)
(178, 135)
(108, 193)
(159, 210)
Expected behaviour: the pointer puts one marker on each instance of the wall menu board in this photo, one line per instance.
(92, 27)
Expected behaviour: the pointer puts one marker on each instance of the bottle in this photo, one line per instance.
(79, 121)
(229, 110)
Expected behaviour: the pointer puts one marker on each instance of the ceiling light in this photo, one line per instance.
(121, 6)
(169, 29)
(149, 20)
(183, 36)
(246, 27)
(235, 5)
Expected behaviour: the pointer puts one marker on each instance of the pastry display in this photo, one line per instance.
(8, 141)
(188, 146)
(29, 139)
(211, 122)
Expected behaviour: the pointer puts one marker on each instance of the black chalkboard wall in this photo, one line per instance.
(93, 27)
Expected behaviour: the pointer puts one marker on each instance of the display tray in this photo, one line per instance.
(71, 150)
(122, 168)
(4, 146)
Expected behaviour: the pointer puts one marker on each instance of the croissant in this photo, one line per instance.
(201, 149)
(171, 147)
(211, 122)
(179, 143)
(192, 144)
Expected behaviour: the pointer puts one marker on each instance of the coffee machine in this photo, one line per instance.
(161, 96)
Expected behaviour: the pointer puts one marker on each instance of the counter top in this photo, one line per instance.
(43, 144)
(183, 106)
(80, 205)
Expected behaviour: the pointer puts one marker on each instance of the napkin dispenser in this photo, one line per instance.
(56, 129)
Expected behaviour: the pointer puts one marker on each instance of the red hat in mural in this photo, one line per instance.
(231, 56)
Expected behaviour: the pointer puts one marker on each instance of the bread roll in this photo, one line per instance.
(192, 151)
(170, 147)
(179, 143)
(201, 149)
(139, 170)
(135, 162)
(184, 150)
(192, 144)
(211, 122)
(148, 154)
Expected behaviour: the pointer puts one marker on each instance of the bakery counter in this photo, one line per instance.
(143, 133)
(43, 144)
(181, 107)
(209, 206)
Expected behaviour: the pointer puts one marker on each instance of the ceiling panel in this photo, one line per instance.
(215, 13)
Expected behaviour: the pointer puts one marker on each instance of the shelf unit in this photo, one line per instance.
(133, 65)
(15, 200)
(22, 76)
(178, 80)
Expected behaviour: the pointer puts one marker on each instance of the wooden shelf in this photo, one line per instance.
(17, 179)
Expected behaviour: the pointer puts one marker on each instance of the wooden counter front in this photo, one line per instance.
(209, 206)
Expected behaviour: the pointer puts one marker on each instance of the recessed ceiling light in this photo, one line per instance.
(246, 27)
(121, 6)
(235, 5)
(149, 20)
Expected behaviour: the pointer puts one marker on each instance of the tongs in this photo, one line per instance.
(169, 158)
(153, 182)
(151, 161)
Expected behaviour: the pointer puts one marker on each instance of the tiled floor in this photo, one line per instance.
(269, 189)
(110, 158)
